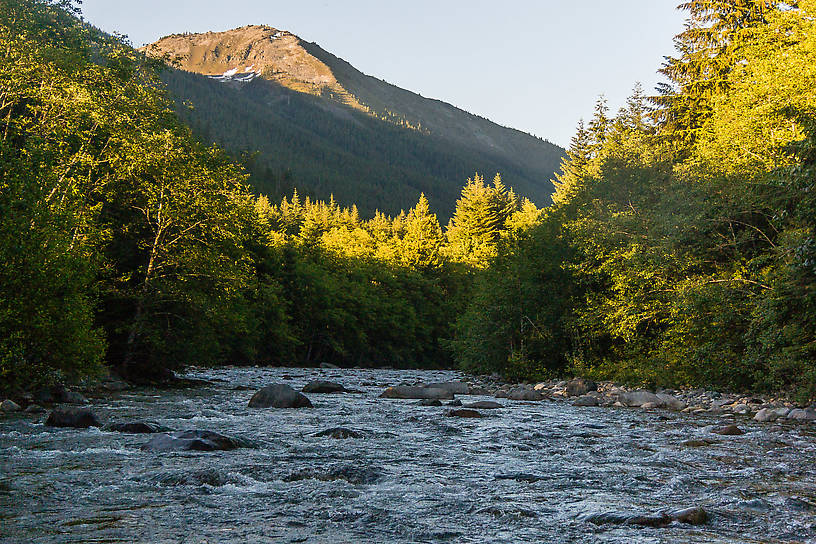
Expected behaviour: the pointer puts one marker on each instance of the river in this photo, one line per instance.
(529, 472)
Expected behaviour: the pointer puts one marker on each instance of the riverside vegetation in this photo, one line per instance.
(680, 249)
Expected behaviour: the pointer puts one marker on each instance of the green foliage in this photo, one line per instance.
(690, 233)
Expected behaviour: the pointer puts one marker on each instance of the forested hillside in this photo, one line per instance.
(680, 247)
(126, 241)
(311, 120)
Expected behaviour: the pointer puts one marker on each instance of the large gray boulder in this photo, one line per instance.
(671, 402)
(523, 393)
(457, 388)
(484, 405)
(279, 396)
(9, 405)
(802, 415)
(193, 441)
(765, 415)
(77, 418)
(321, 386)
(414, 392)
(586, 400)
(639, 398)
(580, 386)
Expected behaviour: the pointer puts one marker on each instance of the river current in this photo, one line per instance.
(529, 472)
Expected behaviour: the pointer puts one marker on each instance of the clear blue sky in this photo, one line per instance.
(534, 65)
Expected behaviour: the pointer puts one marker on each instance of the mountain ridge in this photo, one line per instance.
(277, 68)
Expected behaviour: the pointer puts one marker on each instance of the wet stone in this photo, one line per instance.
(137, 427)
(194, 440)
(339, 433)
(691, 516)
(78, 418)
(279, 396)
(484, 405)
(728, 430)
(320, 386)
(464, 412)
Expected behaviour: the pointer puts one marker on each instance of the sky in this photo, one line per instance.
(535, 65)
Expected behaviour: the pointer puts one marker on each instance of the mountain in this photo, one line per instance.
(305, 118)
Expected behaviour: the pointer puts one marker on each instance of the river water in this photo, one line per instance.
(529, 472)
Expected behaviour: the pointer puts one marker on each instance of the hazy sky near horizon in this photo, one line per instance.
(534, 65)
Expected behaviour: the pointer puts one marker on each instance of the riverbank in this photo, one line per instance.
(578, 392)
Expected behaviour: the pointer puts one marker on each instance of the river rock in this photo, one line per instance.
(137, 427)
(586, 400)
(802, 415)
(478, 391)
(692, 516)
(463, 412)
(429, 402)
(740, 409)
(484, 405)
(671, 402)
(766, 414)
(9, 405)
(638, 398)
(72, 397)
(340, 433)
(729, 430)
(522, 393)
(320, 386)
(457, 388)
(78, 418)
(34, 409)
(454, 402)
(194, 440)
(580, 386)
(650, 405)
(279, 396)
(415, 392)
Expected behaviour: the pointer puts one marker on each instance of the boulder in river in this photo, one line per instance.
(671, 402)
(766, 414)
(9, 405)
(802, 415)
(580, 386)
(457, 388)
(320, 386)
(194, 440)
(72, 397)
(484, 405)
(78, 418)
(638, 398)
(586, 400)
(414, 392)
(340, 432)
(137, 427)
(463, 412)
(729, 430)
(429, 402)
(692, 516)
(523, 393)
(279, 396)
(454, 402)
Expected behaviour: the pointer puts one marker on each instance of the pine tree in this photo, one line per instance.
(421, 244)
